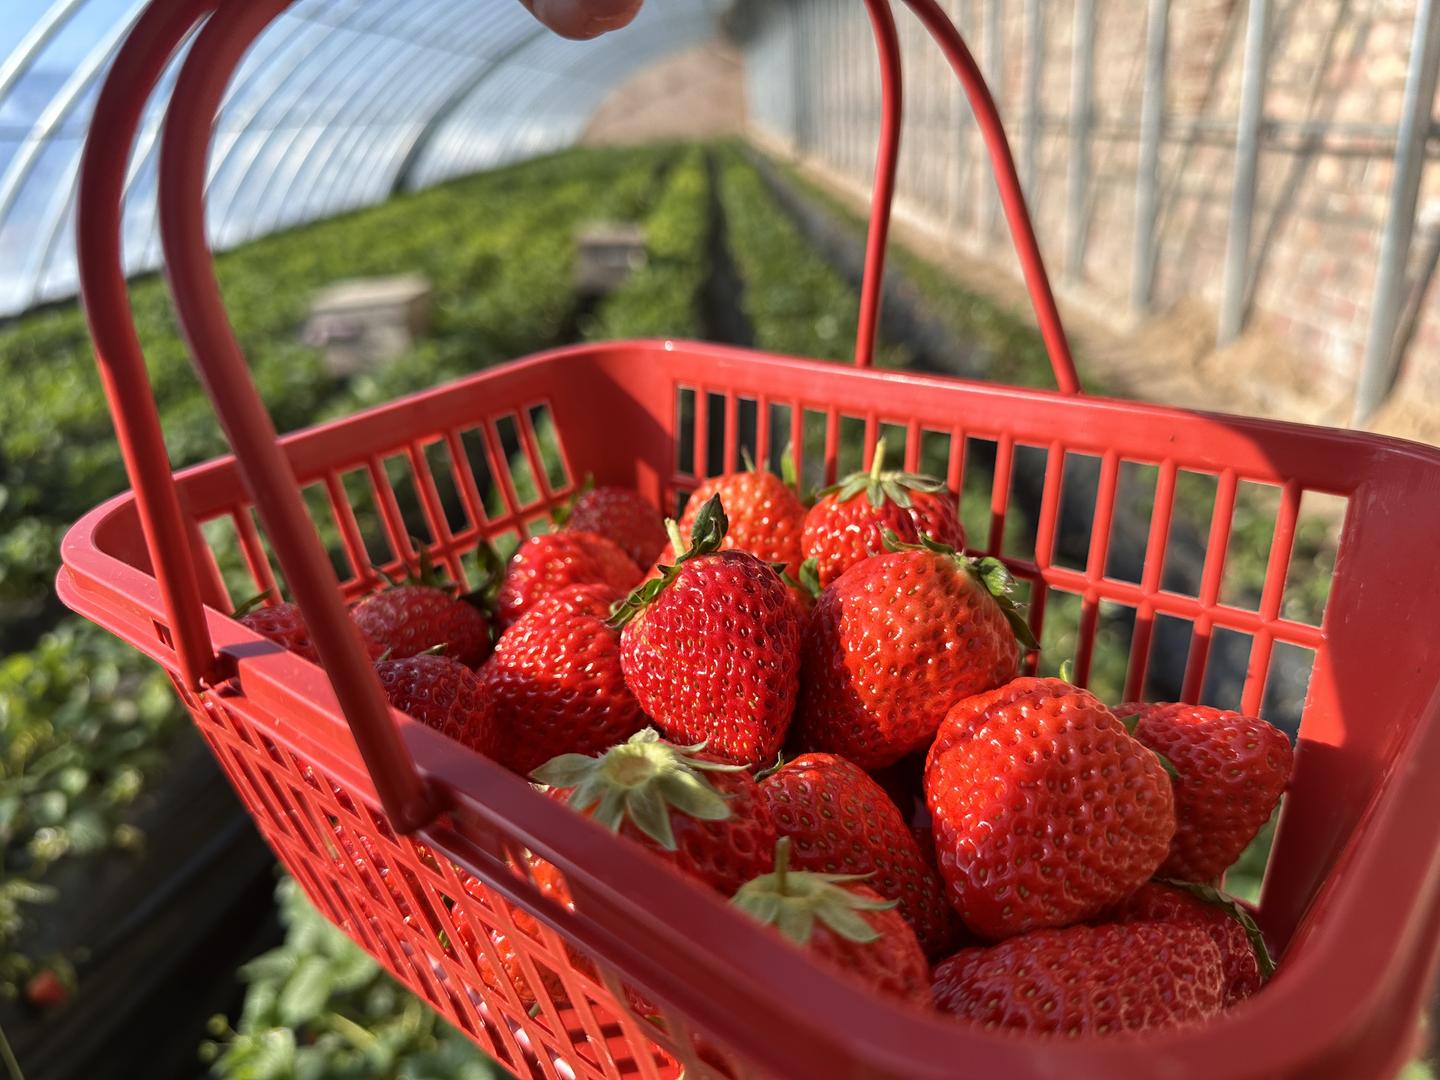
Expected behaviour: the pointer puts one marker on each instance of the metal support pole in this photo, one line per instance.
(1034, 64)
(1147, 172)
(1247, 160)
(1082, 108)
(1382, 359)
(995, 76)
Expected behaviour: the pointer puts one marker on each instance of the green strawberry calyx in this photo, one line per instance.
(426, 574)
(706, 534)
(793, 901)
(881, 486)
(1209, 894)
(988, 571)
(642, 780)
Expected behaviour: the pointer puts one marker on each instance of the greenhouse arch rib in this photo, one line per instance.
(415, 146)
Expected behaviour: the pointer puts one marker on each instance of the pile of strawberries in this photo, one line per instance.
(855, 761)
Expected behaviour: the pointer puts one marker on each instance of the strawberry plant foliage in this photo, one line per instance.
(318, 1006)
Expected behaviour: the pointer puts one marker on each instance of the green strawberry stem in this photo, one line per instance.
(677, 538)
(1236, 910)
(641, 780)
(782, 863)
(792, 901)
(749, 460)
(877, 461)
(706, 534)
(988, 571)
(881, 486)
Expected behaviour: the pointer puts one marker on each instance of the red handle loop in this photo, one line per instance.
(1012, 196)
(216, 52)
(211, 62)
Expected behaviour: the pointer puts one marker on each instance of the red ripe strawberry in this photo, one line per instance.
(593, 600)
(621, 515)
(840, 821)
(553, 561)
(558, 688)
(411, 619)
(842, 528)
(1230, 771)
(705, 817)
(445, 695)
(1046, 811)
(285, 625)
(1243, 952)
(766, 516)
(1086, 980)
(46, 990)
(842, 924)
(895, 642)
(711, 648)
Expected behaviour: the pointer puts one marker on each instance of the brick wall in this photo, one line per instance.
(1333, 97)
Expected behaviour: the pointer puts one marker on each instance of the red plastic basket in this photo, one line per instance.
(1350, 897)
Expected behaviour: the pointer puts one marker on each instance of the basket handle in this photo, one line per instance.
(217, 50)
(1012, 196)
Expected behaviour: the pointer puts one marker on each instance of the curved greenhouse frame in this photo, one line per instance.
(339, 105)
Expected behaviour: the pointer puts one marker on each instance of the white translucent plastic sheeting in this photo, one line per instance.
(338, 103)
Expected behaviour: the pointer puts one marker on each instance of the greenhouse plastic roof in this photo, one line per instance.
(339, 104)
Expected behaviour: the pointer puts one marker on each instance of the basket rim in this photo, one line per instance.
(1294, 1021)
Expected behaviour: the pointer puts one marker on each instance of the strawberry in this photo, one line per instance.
(411, 619)
(840, 821)
(421, 614)
(841, 923)
(711, 648)
(841, 528)
(766, 516)
(1046, 811)
(1230, 772)
(704, 816)
(557, 686)
(443, 694)
(621, 515)
(553, 561)
(1086, 980)
(594, 600)
(46, 990)
(1243, 953)
(895, 641)
(285, 625)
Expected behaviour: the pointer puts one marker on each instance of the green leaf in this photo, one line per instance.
(306, 992)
